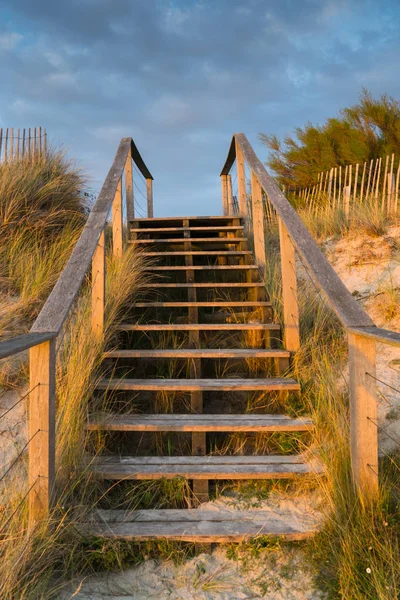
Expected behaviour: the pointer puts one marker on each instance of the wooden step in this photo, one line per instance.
(200, 253)
(219, 353)
(174, 229)
(193, 525)
(210, 284)
(198, 422)
(199, 327)
(220, 240)
(202, 467)
(244, 303)
(205, 385)
(214, 218)
(201, 268)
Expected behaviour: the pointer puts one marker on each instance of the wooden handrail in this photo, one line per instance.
(24, 342)
(362, 334)
(56, 308)
(324, 276)
(41, 341)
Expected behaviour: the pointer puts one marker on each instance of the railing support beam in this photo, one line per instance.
(41, 430)
(363, 414)
(230, 195)
(149, 189)
(117, 223)
(224, 190)
(289, 290)
(241, 181)
(99, 287)
(258, 223)
(130, 209)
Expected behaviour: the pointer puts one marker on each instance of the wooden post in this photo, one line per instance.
(396, 191)
(149, 188)
(241, 180)
(1, 140)
(41, 430)
(362, 183)
(130, 209)
(258, 223)
(11, 154)
(346, 200)
(117, 223)
(99, 286)
(6, 146)
(390, 190)
(355, 183)
(224, 186)
(289, 290)
(371, 164)
(230, 195)
(330, 184)
(17, 145)
(363, 414)
(384, 183)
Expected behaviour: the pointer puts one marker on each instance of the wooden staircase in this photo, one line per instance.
(205, 319)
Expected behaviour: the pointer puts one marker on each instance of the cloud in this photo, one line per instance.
(182, 75)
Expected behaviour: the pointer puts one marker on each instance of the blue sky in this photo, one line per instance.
(181, 76)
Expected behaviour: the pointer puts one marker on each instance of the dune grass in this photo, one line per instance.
(356, 555)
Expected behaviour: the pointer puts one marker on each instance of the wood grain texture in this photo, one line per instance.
(200, 326)
(363, 413)
(378, 334)
(41, 430)
(20, 343)
(190, 385)
(241, 181)
(289, 290)
(192, 525)
(258, 223)
(211, 304)
(99, 287)
(210, 284)
(167, 230)
(199, 422)
(220, 353)
(195, 241)
(117, 222)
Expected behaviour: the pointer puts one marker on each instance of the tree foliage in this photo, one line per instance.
(367, 130)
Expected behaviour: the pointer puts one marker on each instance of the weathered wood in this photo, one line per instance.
(224, 192)
(201, 326)
(199, 422)
(195, 241)
(289, 290)
(346, 200)
(230, 194)
(258, 223)
(192, 385)
(217, 460)
(129, 199)
(117, 222)
(241, 181)
(378, 334)
(149, 194)
(56, 308)
(193, 526)
(205, 467)
(201, 253)
(24, 342)
(265, 353)
(202, 268)
(199, 304)
(175, 229)
(363, 414)
(323, 275)
(99, 287)
(210, 284)
(41, 430)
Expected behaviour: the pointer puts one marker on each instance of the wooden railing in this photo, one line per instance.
(362, 333)
(88, 254)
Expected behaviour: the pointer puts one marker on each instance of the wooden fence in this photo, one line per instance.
(377, 180)
(296, 241)
(16, 144)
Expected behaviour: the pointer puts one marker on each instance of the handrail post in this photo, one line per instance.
(149, 188)
(258, 223)
(99, 286)
(224, 189)
(230, 195)
(241, 180)
(117, 222)
(130, 210)
(41, 430)
(289, 290)
(363, 414)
